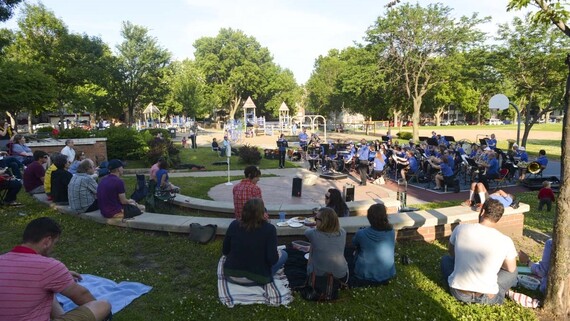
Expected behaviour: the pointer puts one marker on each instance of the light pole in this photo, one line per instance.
(501, 102)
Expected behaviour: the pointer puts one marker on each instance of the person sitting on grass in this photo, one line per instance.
(215, 145)
(162, 178)
(481, 266)
(333, 199)
(328, 241)
(374, 257)
(540, 268)
(478, 194)
(250, 247)
(60, 179)
(546, 196)
(111, 192)
(30, 280)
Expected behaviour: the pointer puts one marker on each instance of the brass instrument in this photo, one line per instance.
(533, 168)
(522, 164)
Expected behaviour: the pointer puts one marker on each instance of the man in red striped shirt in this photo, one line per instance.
(29, 280)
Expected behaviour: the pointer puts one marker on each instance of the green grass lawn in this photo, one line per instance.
(183, 274)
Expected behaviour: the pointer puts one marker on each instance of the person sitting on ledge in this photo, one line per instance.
(111, 192)
(246, 190)
(482, 262)
(60, 179)
(250, 247)
(478, 195)
(34, 174)
(374, 257)
(82, 189)
(333, 199)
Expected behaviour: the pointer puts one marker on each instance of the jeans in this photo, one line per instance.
(282, 259)
(545, 201)
(505, 280)
(13, 164)
(13, 187)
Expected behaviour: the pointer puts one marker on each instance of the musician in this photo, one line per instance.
(314, 153)
(363, 153)
(446, 172)
(491, 169)
(303, 139)
(474, 150)
(541, 159)
(282, 144)
(413, 164)
(379, 164)
(442, 141)
(492, 142)
(434, 135)
(520, 152)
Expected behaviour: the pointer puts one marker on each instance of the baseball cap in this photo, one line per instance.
(114, 164)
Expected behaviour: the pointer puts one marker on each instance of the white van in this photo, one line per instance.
(494, 121)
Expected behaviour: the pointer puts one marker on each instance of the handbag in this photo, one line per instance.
(130, 211)
(202, 234)
(321, 288)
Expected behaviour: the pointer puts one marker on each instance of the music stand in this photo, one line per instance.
(449, 138)
(385, 138)
(471, 162)
(325, 148)
(483, 141)
(432, 141)
(423, 138)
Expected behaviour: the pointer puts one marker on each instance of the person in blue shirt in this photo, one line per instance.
(492, 142)
(379, 164)
(492, 169)
(363, 154)
(521, 153)
(446, 172)
(442, 141)
(374, 255)
(541, 159)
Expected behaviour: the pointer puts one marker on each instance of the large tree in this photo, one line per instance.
(187, 93)
(557, 299)
(533, 60)
(142, 66)
(236, 66)
(413, 39)
(7, 8)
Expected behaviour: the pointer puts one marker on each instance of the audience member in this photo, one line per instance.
(30, 279)
(12, 187)
(476, 253)
(111, 192)
(162, 178)
(34, 174)
(545, 196)
(328, 241)
(21, 151)
(82, 189)
(47, 180)
(226, 147)
(333, 199)
(11, 163)
(215, 145)
(250, 247)
(374, 258)
(78, 159)
(68, 150)
(540, 268)
(60, 180)
(478, 194)
(246, 190)
(154, 168)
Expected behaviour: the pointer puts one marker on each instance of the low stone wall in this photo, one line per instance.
(94, 148)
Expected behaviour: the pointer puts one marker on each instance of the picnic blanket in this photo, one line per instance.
(274, 294)
(119, 295)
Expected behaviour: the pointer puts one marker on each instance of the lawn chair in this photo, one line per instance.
(502, 179)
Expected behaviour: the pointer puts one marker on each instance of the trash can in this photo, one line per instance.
(511, 143)
(172, 131)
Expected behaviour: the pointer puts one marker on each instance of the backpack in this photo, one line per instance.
(141, 189)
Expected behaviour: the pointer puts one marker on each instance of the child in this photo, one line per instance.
(215, 145)
(184, 140)
(545, 196)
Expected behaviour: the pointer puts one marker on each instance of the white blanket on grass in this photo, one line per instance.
(119, 295)
(274, 294)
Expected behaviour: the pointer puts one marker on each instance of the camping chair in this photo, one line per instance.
(502, 179)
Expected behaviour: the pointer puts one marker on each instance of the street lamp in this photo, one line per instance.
(501, 102)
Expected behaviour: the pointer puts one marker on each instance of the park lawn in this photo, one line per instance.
(183, 274)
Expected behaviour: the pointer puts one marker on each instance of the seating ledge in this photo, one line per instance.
(180, 224)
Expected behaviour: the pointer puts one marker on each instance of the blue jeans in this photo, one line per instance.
(282, 259)
(505, 280)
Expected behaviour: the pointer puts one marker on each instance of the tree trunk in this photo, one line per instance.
(557, 300)
(30, 127)
(416, 118)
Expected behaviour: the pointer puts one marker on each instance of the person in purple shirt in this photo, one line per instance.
(111, 192)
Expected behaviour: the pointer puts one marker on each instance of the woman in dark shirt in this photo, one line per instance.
(60, 179)
(333, 199)
(250, 247)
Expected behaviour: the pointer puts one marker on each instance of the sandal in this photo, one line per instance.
(14, 204)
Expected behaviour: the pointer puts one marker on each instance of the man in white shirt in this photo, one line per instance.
(481, 265)
(68, 150)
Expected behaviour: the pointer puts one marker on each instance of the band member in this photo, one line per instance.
(282, 145)
(446, 174)
(491, 169)
(313, 155)
(363, 153)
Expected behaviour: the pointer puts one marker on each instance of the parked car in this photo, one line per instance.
(458, 122)
(42, 125)
(445, 123)
(429, 123)
(494, 121)
(507, 122)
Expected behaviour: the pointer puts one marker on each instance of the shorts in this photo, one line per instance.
(80, 314)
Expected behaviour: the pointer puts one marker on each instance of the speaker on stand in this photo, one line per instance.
(297, 187)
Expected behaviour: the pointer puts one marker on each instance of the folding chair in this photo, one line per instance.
(502, 179)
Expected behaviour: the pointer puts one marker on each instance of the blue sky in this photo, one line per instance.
(295, 31)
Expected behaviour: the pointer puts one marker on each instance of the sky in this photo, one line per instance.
(296, 32)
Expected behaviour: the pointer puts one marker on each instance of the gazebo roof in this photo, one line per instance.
(249, 103)
(151, 109)
(283, 107)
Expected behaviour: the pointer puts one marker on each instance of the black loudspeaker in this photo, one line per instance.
(297, 186)
(348, 192)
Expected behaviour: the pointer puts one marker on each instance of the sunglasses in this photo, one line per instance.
(318, 219)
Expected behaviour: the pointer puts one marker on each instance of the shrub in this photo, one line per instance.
(124, 143)
(405, 135)
(249, 155)
(74, 133)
